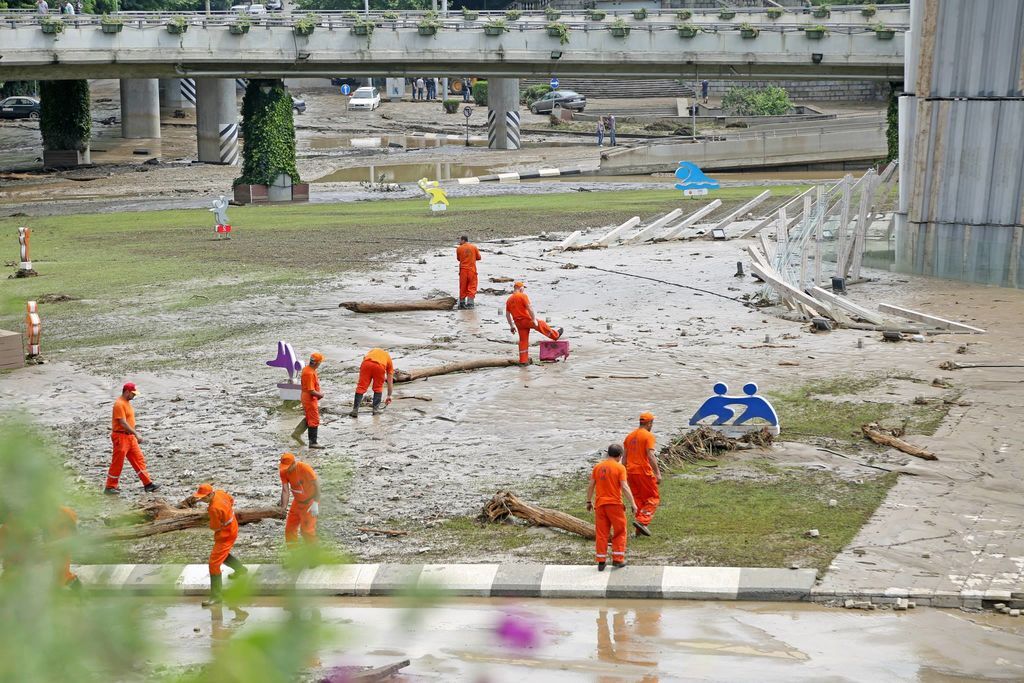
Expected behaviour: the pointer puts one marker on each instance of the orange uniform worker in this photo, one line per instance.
(126, 443)
(299, 481)
(608, 482)
(468, 255)
(644, 473)
(377, 367)
(221, 508)
(66, 526)
(310, 399)
(522, 319)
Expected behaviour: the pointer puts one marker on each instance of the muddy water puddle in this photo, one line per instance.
(586, 640)
(328, 142)
(406, 173)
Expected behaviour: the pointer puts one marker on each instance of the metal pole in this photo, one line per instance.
(366, 13)
(696, 99)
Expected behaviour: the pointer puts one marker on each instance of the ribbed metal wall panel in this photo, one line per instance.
(962, 67)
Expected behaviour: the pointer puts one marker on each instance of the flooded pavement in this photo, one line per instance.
(619, 640)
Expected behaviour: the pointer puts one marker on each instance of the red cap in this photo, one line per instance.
(129, 386)
(204, 490)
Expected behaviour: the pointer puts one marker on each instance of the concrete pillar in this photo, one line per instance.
(217, 121)
(503, 113)
(140, 108)
(177, 93)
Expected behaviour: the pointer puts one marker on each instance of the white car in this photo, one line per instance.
(248, 9)
(365, 98)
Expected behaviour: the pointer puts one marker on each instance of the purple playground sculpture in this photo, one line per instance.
(286, 358)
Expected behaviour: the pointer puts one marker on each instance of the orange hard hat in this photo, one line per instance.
(204, 490)
(287, 460)
(520, 284)
(647, 417)
(317, 356)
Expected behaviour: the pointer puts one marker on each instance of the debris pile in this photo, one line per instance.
(705, 443)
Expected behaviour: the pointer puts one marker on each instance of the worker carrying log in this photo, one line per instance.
(126, 443)
(468, 255)
(608, 483)
(298, 480)
(644, 472)
(310, 399)
(221, 510)
(522, 319)
(376, 369)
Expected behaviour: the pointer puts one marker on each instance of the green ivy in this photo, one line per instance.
(534, 93)
(892, 131)
(65, 120)
(11, 88)
(268, 130)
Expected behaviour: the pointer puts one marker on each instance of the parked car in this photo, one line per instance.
(19, 107)
(249, 9)
(273, 5)
(298, 106)
(365, 98)
(567, 99)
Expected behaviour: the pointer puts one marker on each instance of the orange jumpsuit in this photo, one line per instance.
(468, 255)
(517, 306)
(67, 524)
(375, 367)
(642, 481)
(125, 445)
(225, 529)
(310, 403)
(609, 512)
(302, 482)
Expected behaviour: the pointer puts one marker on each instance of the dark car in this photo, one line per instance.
(567, 99)
(298, 106)
(19, 107)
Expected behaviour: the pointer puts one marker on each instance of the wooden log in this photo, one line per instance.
(448, 368)
(847, 305)
(165, 518)
(872, 432)
(505, 503)
(677, 229)
(788, 291)
(441, 304)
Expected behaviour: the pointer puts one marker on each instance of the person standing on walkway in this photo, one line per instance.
(42, 7)
(221, 509)
(704, 85)
(378, 368)
(611, 129)
(467, 87)
(600, 131)
(420, 88)
(644, 472)
(310, 399)
(126, 444)
(521, 319)
(468, 255)
(609, 482)
(299, 481)
(68, 8)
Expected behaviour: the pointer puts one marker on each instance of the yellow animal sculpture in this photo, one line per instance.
(433, 190)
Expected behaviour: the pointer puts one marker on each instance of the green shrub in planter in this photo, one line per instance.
(362, 27)
(619, 28)
(495, 27)
(240, 25)
(687, 30)
(557, 29)
(480, 93)
(640, 14)
(51, 25)
(391, 15)
(306, 25)
(748, 31)
(869, 10)
(177, 25)
(428, 27)
(551, 14)
(513, 15)
(450, 106)
(774, 12)
(815, 32)
(684, 15)
(726, 15)
(821, 12)
(883, 32)
(596, 15)
(110, 24)
(470, 14)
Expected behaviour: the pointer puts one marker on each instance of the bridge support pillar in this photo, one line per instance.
(177, 93)
(503, 113)
(140, 108)
(217, 120)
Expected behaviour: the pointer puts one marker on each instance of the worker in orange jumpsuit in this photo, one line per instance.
(608, 482)
(66, 526)
(126, 443)
(221, 508)
(521, 318)
(310, 399)
(468, 255)
(378, 368)
(644, 473)
(299, 481)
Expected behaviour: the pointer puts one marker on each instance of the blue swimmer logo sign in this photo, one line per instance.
(724, 408)
(692, 180)
(346, 89)
(553, 83)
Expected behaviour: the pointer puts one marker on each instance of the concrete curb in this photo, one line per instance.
(922, 597)
(475, 580)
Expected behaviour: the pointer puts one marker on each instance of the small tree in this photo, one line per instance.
(770, 101)
(480, 93)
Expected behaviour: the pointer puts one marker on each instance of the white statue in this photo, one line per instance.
(220, 210)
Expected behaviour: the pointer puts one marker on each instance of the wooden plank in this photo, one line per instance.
(790, 291)
(647, 232)
(844, 224)
(861, 233)
(847, 305)
(767, 248)
(818, 235)
(742, 210)
(617, 232)
(570, 241)
(757, 257)
(678, 228)
(767, 221)
(926, 318)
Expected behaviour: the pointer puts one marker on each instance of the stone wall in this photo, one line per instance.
(834, 91)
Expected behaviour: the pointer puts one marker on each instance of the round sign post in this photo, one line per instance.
(553, 83)
(467, 112)
(346, 89)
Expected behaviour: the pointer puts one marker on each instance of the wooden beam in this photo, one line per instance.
(647, 231)
(448, 368)
(570, 241)
(847, 305)
(926, 318)
(617, 232)
(445, 303)
(818, 230)
(844, 225)
(767, 221)
(678, 228)
(742, 210)
(789, 290)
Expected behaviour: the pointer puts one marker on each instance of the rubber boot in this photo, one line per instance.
(376, 403)
(216, 585)
(297, 432)
(470, 303)
(355, 406)
(313, 431)
(462, 303)
(237, 566)
(151, 487)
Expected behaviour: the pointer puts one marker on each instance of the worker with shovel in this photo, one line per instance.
(468, 255)
(221, 509)
(377, 367)
(522, 319)
(608, 481)
(310, 399)
(299, 481)
(644, 473)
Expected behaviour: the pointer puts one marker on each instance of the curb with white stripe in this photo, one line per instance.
(516, 176)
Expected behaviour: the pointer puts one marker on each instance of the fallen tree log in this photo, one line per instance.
(448, 368)
(875, 434)
(505, 503)
(159, 517)
(446, 303)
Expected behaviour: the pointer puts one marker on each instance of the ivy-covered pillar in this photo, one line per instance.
(268, 150)
(65, 123)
